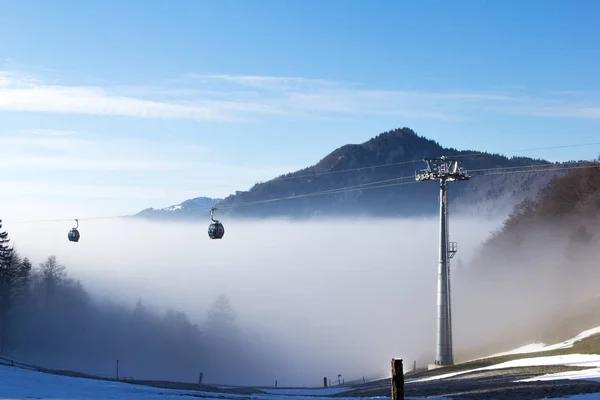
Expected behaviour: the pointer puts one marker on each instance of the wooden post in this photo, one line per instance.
(397, 379)
(325, 381)
(200, 378)
(117, 369)
(275, 384)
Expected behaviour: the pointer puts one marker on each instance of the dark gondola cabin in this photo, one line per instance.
(74, 235)
(216, 230)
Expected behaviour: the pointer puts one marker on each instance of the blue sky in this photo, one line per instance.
(109, 107)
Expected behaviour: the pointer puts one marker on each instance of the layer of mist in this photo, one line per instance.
(532, 281)
(311, 299)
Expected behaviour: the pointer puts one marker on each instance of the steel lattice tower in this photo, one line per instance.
(444, 170)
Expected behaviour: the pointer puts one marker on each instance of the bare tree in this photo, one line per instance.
(52, 274)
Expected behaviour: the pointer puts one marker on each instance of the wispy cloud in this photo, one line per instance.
(37, 149)
(240, 98)
(95, 101)
(155, 162)
(565, 111)
(48, 132)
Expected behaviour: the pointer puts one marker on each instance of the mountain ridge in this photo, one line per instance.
(388, 156)
(179, 211)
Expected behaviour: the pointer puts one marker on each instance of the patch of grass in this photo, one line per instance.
(537, 370)
(589, 345)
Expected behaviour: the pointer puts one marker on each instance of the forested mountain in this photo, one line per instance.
(388, 158)
(48, 319)
(567, 209)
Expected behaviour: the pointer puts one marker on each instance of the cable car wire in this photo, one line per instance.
(557, 168)
(352, 188)
(369, 186)
(359, 187)
(467, 155)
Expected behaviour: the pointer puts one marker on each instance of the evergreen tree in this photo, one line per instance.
(14, 276)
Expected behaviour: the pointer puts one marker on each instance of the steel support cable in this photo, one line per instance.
(359, 187)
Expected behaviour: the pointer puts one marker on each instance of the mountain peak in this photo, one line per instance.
(391, 157)
(388, 147)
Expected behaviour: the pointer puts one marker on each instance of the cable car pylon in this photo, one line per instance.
(444, 170)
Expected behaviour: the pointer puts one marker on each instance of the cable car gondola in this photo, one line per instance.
(215, 229)
(74, 233)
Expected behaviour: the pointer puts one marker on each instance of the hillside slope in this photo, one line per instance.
(535, 277)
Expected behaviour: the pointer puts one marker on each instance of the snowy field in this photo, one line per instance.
(574, 360)
(18, 383)
(539, 347)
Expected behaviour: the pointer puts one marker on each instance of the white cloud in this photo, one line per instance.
(56, 149)
(121, 154)
(241, 98)
(48, 189)
(75, 163)
(567, 111)
(253, 80)
(49, 132)
(95, 101)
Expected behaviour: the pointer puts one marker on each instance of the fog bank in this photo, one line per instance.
(336, 296)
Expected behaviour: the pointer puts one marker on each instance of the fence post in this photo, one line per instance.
(275, 384)
(200, 378)
(117, 369)
(397, 379)
(325, 381)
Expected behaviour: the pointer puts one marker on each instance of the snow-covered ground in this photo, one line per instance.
(574, 360)
(17, 383)
(539, 347)
(306, 392)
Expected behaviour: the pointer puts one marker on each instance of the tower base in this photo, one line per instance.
(436, 366)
